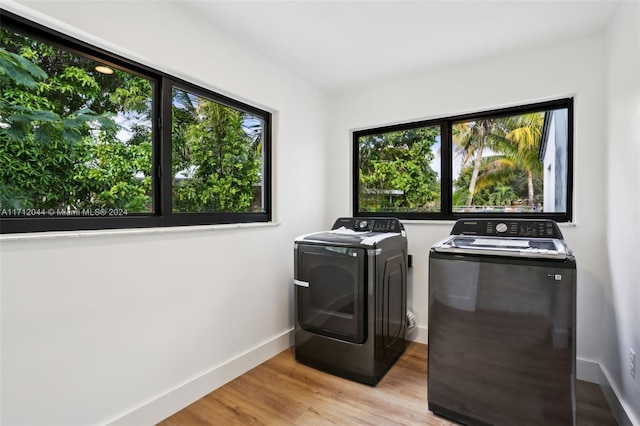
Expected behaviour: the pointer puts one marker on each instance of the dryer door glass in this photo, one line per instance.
(333, 303)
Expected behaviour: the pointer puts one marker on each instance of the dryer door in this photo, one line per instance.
(330, 291)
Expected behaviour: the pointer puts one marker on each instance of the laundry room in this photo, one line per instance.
(128, 320)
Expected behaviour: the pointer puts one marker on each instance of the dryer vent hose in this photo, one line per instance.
(411, 321)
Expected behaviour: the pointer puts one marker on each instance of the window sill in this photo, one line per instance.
(133, 231)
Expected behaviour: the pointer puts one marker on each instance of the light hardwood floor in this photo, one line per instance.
(282, 391)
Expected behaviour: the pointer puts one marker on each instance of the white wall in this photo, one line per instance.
(623, 205)
(96, 326)
(602, 73)
(564, 69)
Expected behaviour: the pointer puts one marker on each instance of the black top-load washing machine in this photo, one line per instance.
(350, 291)
(502, 306)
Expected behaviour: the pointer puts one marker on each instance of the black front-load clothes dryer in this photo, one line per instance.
(350, 292)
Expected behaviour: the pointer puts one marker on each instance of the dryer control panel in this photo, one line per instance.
(369, 224)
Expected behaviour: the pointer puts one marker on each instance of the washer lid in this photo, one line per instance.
(551, 248)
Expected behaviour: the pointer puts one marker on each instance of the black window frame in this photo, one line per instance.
(162, 216)
(446, 172)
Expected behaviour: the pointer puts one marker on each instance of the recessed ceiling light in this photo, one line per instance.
(104, 70)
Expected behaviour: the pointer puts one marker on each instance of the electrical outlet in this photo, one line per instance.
(632, 363)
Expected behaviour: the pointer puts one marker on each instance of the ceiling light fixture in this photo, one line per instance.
(104, 70)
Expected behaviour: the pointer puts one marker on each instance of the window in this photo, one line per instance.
(514, 162)
(216, 156)
(89, 140)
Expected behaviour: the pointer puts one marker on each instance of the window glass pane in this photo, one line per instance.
(75, 139)
(512, 164)
(399, 171)
(217, 156)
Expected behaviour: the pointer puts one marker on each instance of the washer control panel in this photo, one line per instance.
(537, 228)
(369, 224)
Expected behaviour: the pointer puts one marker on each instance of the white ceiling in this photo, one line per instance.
(343, 45)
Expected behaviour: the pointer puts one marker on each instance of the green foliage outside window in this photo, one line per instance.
(396, 171)
(59, 144)
(73, 139)
(501, 164)
(216, 161)
(490, 164)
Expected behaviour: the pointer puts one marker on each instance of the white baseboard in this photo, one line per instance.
(159, 408)
(589, 371)
(418, 334)
(593, 372)
(165, 405)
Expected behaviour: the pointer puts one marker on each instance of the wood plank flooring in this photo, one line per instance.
(282, 391)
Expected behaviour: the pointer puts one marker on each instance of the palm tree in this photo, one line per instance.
(518, 139)
(470, 139)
